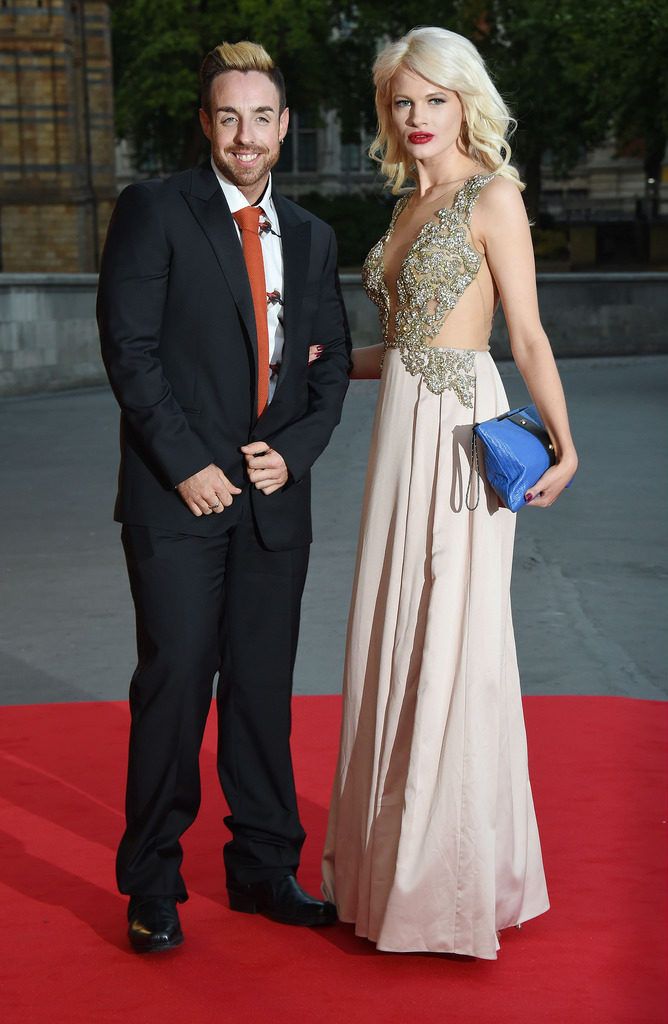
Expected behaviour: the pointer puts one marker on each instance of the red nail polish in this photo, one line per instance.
(529, 497)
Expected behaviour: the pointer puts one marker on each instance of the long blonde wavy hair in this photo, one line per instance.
(451, 62)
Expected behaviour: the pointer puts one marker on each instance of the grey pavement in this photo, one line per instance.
(589, 582)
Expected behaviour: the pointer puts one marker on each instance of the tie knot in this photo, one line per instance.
(248, 218)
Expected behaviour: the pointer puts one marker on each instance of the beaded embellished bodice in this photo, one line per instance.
(438, 267)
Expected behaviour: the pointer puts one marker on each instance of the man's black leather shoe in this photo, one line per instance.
(283, 900)
(154, 924)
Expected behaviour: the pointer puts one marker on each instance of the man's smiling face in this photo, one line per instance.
(245, 128)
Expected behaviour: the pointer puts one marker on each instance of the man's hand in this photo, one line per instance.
(207, 491)
(267, 470)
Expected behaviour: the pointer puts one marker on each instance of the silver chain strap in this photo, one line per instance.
(475, 468)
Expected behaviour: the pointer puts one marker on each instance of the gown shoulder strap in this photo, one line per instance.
(398, 207)
(469, 192)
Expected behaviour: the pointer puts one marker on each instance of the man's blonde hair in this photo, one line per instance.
(242, 56)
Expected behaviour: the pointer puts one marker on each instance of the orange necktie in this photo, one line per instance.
(248, 220)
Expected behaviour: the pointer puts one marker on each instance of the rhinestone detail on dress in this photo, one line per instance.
(438, 267)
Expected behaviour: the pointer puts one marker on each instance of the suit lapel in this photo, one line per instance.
(208, 206)
(296, 246)
(207, 203)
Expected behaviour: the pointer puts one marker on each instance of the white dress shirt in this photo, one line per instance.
(272, 256)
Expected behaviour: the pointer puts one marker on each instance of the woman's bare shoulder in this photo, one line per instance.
(501, 198)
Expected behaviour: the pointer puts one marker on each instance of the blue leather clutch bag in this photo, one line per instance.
(516, 450)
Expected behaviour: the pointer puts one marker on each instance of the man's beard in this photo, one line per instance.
(234, 170)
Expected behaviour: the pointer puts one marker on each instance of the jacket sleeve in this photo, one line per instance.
(134, 278)
(301, 442)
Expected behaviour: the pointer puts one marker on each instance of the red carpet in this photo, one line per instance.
(598, 956)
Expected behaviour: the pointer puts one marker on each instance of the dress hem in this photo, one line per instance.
(453, 952)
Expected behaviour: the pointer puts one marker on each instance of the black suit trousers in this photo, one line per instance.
(204, 605)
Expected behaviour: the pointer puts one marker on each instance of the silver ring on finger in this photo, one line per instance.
(217, 505)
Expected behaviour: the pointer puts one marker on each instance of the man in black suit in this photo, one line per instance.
(222, 417)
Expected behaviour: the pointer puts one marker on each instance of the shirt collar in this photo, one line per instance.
(236, 200)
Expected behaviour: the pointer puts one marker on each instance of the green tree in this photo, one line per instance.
(635, 42)
(361, 27)
(543, 57)
(572, 72)
(546, 61)
(158, 48)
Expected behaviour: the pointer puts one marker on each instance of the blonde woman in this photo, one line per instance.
(432, 842)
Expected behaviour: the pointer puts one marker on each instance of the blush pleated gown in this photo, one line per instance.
(432, 842)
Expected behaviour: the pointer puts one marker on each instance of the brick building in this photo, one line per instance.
(57, 173)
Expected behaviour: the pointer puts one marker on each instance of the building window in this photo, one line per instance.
(307, 151)
(351, 157)
(300, 150)
(307, 142)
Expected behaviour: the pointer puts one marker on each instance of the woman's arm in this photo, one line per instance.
(366, 361)
(500, 224)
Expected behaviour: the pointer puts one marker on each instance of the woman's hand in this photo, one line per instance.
(314, 352)
(546, 490)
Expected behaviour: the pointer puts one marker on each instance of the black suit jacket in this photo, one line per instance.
(178, 339)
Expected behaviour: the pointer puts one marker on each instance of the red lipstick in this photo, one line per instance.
(419, 138)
